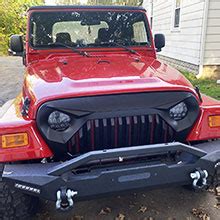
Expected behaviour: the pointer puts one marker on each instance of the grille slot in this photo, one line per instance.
(120, 132)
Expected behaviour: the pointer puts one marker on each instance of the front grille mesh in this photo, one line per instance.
(120, 132)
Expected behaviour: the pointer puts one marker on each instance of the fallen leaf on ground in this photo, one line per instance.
(142, 209)
(133, 203)
(77, 217)
(105, 211)
(156, 212)
(43, 216)
(211, 190)
(131, 206)
(120, 216)
(206, 218)
(200, 213)
(217, 206)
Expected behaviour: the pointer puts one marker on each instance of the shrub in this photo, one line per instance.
(13, 19)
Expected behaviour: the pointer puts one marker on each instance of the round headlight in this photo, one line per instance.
(59, 121)
(179, 111)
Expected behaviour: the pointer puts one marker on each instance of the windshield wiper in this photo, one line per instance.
(122, 46)
(83, 53)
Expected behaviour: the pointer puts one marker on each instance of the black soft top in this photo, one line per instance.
(125, 8)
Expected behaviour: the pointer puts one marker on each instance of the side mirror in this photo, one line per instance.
(159, 41)
(16, 44)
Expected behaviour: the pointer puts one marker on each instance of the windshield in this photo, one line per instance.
(88, 29)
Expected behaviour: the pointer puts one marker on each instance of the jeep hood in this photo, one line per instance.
(66, 77)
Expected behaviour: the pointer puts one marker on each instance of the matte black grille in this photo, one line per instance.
(120, 132)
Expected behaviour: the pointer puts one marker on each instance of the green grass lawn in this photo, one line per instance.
(206, 86)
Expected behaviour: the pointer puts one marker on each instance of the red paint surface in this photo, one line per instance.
(47, 77)
(201, 130)
(12, 122)
(50, 79)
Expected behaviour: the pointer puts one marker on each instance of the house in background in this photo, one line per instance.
(192, 31)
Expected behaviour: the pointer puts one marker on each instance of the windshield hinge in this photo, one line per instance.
(25, 106)
(198, 93)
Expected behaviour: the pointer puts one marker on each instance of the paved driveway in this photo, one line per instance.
(173, 203)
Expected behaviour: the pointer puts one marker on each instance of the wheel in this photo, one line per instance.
(16, 205)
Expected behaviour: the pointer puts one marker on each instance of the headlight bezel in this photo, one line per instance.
(59, 121)
(179, 111)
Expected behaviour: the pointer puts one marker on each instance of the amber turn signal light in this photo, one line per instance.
(214, 121)
(14, 140)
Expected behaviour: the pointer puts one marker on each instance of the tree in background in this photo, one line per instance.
(100, 2)
(13, 19)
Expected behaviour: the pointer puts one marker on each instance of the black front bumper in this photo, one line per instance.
(44, 180)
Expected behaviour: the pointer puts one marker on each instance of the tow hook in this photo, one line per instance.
(216, 183)
(199, 178)
(65, 199)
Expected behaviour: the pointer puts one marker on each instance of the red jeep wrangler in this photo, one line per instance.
(99, 114)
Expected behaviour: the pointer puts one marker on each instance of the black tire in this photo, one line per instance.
(16, 205)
